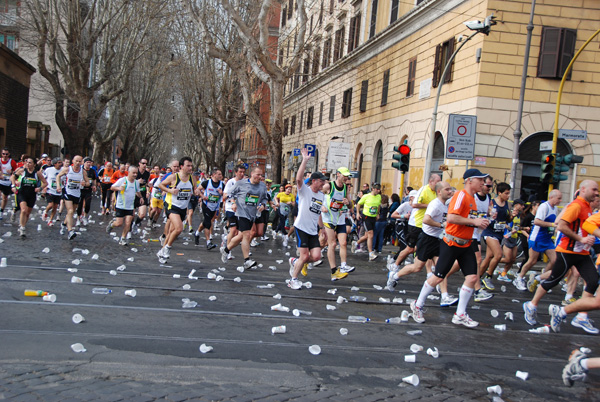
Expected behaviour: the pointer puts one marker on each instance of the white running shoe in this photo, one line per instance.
(464, 320)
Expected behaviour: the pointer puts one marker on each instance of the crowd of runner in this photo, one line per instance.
(435, 227)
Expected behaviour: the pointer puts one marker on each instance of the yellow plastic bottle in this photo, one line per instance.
(38, 293)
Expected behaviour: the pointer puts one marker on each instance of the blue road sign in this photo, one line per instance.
(297, 152)
(311, 149)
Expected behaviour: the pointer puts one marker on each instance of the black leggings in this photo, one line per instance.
(86, 197)
(106, 194)
(564, 262)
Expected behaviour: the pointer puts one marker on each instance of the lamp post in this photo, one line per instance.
(478, 27)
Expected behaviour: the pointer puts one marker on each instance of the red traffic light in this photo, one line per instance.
(548, 159)
(404, 149)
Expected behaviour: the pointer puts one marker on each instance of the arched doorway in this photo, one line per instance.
(530, 158)
(438, 154)
(377, 163)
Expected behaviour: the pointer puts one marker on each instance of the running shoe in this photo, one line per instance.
(318, 262)
(210, 246)
(520, 283)
(162, 239)
(197, 239)
(128, 236)
(585, 324)
(254, 243)
(295, 284)
(391, 281)
(465, 320)
(530, 313)
(292, 262)
(223, 254)
(337, 275)
(230, 256)
(566, 302)
(264, 238)
(72, 234)
(304, 270)
(285, 241)
(573, 371)
(346, 269)
(21, 231)
(84, 220)
(487, 283)
(63, 228)
(50, 223)
(373, 255)
(44, 216)
(166, 252)
(503, 278)
(417, 312)
(122, 242)
(482, 295)
(353, 247)
(448, 301)
(249, 264)
(555, 318)
(532, 283)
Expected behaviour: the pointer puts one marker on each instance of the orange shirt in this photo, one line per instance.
(117, 175)
(463, 204)
(575, 215)
(107, 175)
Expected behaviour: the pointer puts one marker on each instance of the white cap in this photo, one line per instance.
(413, 193)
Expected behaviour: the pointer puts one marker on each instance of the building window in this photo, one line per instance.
(394, 15)
(320, 20)
(286, 124)
(280, 59)
(338, 50)
(306, 70)
(315, 61)
(310, 116)
(321, 113)
(557, 48)
(364, 88)
(290, 9)
(297, 77)
(373, 19)
(283, 15)
(331, 6)
(412, 72)
(443, 52)
(326, 53)
(354, 32)
(331, 108)
(385, 86)
(293, 125)
(10, 41)
(347, 102)
(301, 121)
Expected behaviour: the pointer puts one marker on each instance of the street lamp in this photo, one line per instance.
(478, 27)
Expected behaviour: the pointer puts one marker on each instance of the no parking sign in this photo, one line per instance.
(461, 137)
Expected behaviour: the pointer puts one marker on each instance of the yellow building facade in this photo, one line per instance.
(379, 89)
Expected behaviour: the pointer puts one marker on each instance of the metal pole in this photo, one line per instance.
(517, 134)
(401, 190)
(559, 96)
(429, 158)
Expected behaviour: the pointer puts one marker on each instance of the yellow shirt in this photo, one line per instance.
(285, 198)
(425, 197)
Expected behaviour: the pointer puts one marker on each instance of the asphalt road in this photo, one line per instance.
(147, 347)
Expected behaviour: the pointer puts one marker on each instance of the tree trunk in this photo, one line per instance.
(275, 145)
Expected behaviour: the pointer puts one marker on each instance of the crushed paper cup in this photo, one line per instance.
(412, 379)
(204, 348)
(112, 272)
(331, 307)
(237, 279)
(341, 300)
(130, 292)
(410, 358)
(332, 291)
(277, 296)
(121, 268)
(77, 318)
(186, 286)
(212, 298)
(523, 375)
(278, 330)
(95, 257)
(344, 331)
(46, 250)
(495, 389)
(494, 313)
(500, 327)
(78, 348)
(72, 270)
(433, 352)
(314, 349)
(210, 275)
(49, 298)
(76, 279)
(416, 348)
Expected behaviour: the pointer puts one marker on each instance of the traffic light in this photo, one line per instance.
(571, 159)
(547, 171)
(560, 165)
(402, 155)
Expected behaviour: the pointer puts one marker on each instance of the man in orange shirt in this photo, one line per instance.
(105, 175)
(462, 219)
(573, 250)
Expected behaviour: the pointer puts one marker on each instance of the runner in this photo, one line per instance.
(86, 193)
(126, 189)
(141, 202)
(173, 170)
(484, 202)
(156, 202)
(262, 219)
(179, 188)
(7, 168)
(371, 202)
(462, 218)
(250, 197)
(75, 177)
(105, 175)
(572, 250)
(239, 172)
(285, 203)
(52, 196)
(211, 194)
(334, 221)
(26, 188)
(310, 207)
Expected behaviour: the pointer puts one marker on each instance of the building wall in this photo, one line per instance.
(488, 89)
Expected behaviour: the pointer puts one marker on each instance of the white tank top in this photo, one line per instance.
(74, 181)
(182, 199)
(6, 172)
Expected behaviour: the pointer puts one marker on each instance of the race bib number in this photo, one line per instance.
(158, 194)
(473, 215)
(315, 206)
(53, 185)
(285, 209)
(184, 194)
(551, 229)
(73, 184)
(373, 210)
(336, 205)
(251, 199)
(212, 198)
(499, 226)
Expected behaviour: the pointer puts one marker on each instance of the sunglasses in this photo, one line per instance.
(5, 153)
(489, 185)
(143, 163)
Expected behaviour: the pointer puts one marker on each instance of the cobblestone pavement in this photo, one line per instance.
(147, 348)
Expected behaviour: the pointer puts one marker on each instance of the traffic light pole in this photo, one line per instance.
(559, 96)
(401, 190)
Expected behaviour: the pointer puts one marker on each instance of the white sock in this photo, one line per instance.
(463, 300)
(562, 312)
(197, 233)
(425, 291)
(582, 316)
(429, 274)
(538, 278)
(568, 296)
(444, 295)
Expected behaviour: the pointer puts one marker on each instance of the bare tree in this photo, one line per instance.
(251, 20)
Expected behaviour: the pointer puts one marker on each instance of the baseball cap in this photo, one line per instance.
(376, 186)
(44, 155)
(413, 193)
(268, 181)
(87, 159)
(318, 175)
(474, 174)
(288, 186)
(518, 201)
(344, 171)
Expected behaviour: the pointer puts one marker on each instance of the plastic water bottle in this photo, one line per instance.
(394, 320)
(358, 298)
(357, 318)
(101, 291)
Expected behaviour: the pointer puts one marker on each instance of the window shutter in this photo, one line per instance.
(321, 113)
(449, 51)
(351, 35)
(373, 19)
(394, 15)
(364, 88)
(569, 36)
(549, 51)
(357, 31)
(332, 108)
(436, 66)
(384, 90)
(412, 72)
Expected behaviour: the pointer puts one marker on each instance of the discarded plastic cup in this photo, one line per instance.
(494, 313)
(508, 316)
(495, 389)
(297, 312)
(121, 267)
(76, 279)
(77, 348)
(49, 298)
(410, 358)
(212, 298)
(344, 331)
(503, 289)
(523, 375)
(46, 250)
(416, 348)
(210, 275)
(412, 379)
(331, 307)
(130, 292)
(240, 269)
(307, 285)
(3, 262)
(237, 279)
(39, 228)
(341, 300)
(112, 272)
(279, 307)
(500, 327)
(204, 348)
(332, 291)
(415, 332)
(360, 298)
(176, 276)
(314, 349)
(404, 316)
(77, 318)
(278, 330)
(541, 330)
(186, 286)
(433, 352)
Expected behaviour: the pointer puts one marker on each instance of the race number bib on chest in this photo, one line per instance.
(184, 194)
(315, 206)
(336, 205)
(73, 184)
(213, 198)
(251, 199)
(373, 210)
